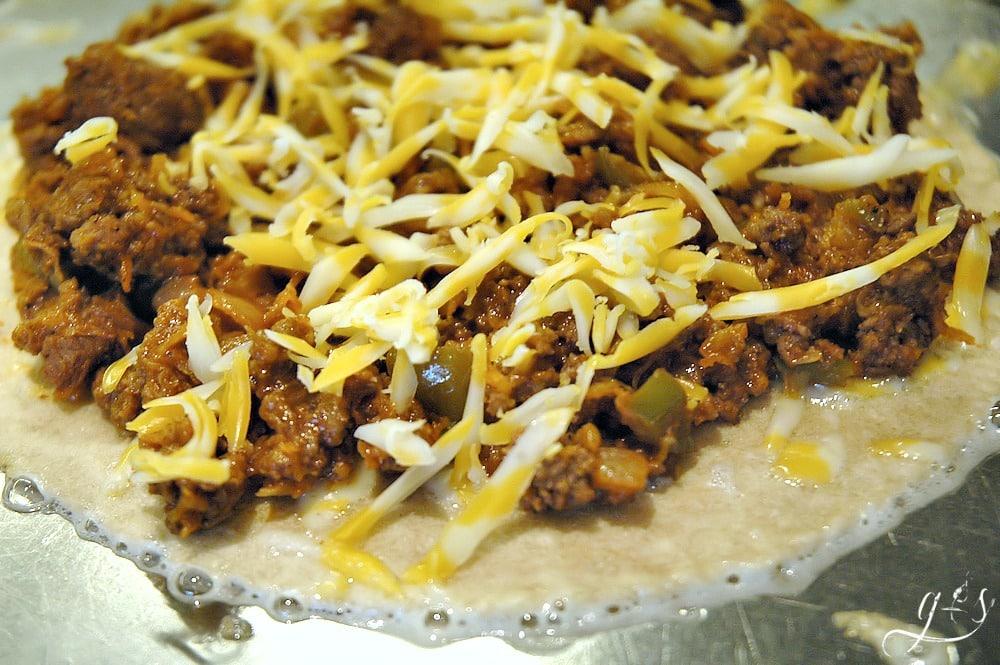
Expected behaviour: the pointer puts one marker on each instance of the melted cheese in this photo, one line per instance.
(911, 449)
(809, 462)
(498, 498)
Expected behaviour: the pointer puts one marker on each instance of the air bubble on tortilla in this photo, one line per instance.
(22, 495)
(287, 609)
(529, 620)
(193, 582)
(121, 548)
(235, 628)
(784, 571)
(436, 618)
(149, 560)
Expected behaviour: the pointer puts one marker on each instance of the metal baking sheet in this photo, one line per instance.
(71, 601)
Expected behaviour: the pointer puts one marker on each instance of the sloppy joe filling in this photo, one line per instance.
(530, 246)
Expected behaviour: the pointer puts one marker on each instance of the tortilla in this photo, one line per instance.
(726, 528)
(726, 516)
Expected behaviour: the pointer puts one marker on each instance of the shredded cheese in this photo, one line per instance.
(196, 459)
(889, 160)
(498, 498)
(709, 202)
(202, 345)
(337, 208)
(816, 292)
(91, 137)
(115, 371)
(964, 308)
(399, 439)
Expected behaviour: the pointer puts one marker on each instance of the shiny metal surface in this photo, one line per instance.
(70, 601)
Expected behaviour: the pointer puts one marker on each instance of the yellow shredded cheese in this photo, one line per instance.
(196, 459)
(115, 371)
(816, 292)
(467, 467)
(347, 360)
(498, 498)
(403, 384)
(654, 336)
(92, 136)
(392, 191)
(234, 420)
(964, 308)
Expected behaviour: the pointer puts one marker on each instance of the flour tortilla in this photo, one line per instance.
(721, 531)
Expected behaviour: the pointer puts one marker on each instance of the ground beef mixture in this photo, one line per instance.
(111, 248)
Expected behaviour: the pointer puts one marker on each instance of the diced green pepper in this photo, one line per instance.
(654, 408)
(826, 373)
(616, 170)
(443, 383)
(29, 263)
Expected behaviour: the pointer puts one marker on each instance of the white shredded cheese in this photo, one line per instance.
(399, 439)
(91, 137)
